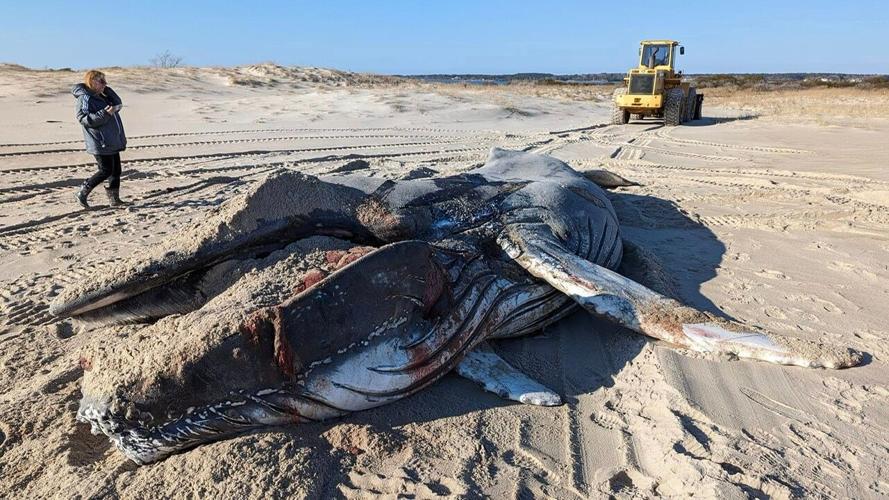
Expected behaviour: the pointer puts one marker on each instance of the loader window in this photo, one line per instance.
(641, 84)
(656, 55)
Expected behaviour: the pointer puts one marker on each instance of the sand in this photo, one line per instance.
(780, 221)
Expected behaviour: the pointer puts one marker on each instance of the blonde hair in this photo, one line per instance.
(91, 75)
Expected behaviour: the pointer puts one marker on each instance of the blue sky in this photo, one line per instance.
(411, 37)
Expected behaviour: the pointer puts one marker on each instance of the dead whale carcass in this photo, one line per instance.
(308, 298)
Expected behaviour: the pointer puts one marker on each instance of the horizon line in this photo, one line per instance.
(409, 75)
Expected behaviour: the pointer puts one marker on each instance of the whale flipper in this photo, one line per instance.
(484, 367)
(607, 180)
(610, 295)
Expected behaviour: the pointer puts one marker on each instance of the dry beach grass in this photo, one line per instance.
(772, 209)
(852, 107)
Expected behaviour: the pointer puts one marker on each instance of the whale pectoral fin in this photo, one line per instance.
(608, 294)
(484, 367)
(607, 180)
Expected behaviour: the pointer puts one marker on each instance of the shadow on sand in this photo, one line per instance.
(704, 121)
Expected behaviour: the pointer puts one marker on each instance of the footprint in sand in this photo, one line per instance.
(823, 246)
(360, 484)
(850, 402)
(622, 483)
(772, 274)
(608, 420)
(839, 265)
(825, 305)
(774, 312)
(83, 448)
(691, 447)
(62, 330)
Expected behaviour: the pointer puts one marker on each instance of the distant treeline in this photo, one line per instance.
(760, 81)
(776, 81)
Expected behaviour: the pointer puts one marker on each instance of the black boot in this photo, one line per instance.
(114, 197)
(82, 194)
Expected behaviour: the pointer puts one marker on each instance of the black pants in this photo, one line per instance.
(109, 168)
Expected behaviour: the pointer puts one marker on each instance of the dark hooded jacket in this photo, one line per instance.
(103, 132)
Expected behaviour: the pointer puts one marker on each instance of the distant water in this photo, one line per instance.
(506, 79)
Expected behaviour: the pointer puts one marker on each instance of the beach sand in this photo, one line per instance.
(781, 221)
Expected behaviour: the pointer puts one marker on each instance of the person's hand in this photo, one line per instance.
(110, 110)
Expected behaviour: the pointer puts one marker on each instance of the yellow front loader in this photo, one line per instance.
(655, 88)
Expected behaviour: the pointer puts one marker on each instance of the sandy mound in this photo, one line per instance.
(152, 362)
(268, 74)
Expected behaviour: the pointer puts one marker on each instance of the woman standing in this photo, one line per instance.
(98, 109)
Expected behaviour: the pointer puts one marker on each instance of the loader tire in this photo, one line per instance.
(618, 116)
(698, 106)
(673, 107)
(691, 104)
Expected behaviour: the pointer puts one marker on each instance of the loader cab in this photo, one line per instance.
(659, 54)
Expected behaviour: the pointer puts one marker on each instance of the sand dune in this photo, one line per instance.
(782, 222)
